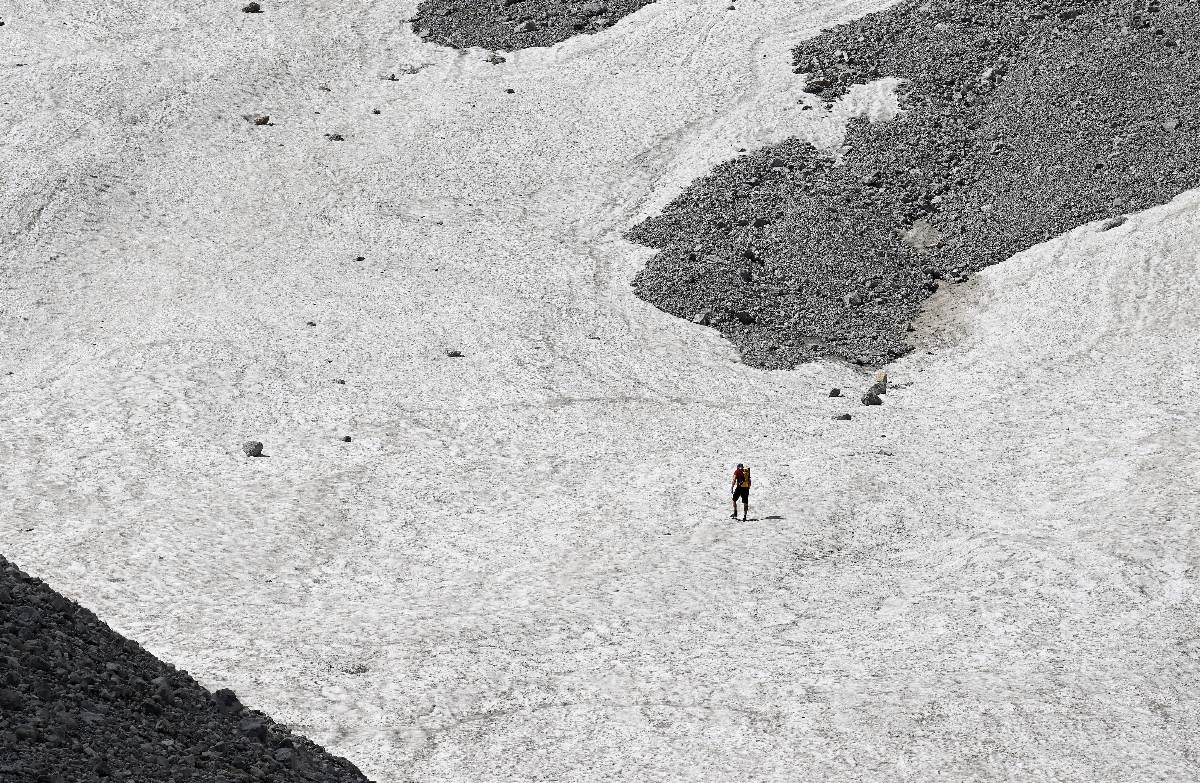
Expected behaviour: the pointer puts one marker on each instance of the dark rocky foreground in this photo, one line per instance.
(507, 25)
(1022, 120)
(79, 703)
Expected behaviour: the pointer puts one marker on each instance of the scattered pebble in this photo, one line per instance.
(252, 8)
(835, 392)
(842, 417)
(346, 438)
(454, 354)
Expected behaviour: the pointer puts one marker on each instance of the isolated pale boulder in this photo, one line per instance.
(923, 235)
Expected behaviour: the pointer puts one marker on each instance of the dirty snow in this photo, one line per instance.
(522, 567)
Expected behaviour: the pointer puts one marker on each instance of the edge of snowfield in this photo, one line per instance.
(521, 567)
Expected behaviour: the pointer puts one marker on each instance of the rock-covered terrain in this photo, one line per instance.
(508, 25)
(1022, 120)
(79, 703)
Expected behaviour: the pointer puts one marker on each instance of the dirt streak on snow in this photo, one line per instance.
(521, 567)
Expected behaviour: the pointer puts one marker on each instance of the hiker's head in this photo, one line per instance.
(740, 465)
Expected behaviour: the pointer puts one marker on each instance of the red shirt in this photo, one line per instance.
(741, 477)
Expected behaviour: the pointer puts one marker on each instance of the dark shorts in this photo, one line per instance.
(742, 494)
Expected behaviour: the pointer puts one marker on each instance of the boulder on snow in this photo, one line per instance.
(880, 381)
(871, 398)
(842, 417)
(835, 392)
(253, 448)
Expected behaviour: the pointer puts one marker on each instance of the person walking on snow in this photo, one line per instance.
(741, 489)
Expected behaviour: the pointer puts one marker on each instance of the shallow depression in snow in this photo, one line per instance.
(522, 567)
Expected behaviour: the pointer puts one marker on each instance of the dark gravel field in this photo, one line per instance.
(1022, 121)
(79, 703)
(507, 25)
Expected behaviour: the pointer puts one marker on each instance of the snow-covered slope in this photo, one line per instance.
(522, 567)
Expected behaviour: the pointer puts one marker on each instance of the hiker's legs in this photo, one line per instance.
(746, 506)
(734, 516)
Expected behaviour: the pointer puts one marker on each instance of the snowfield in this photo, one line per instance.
(522, 566)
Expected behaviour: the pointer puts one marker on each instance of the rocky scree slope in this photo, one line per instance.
(1022, 120)
(79, 703)
(508, 25)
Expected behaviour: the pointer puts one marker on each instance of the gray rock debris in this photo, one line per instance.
(81, 704)
(509, 25)
(1019, 124)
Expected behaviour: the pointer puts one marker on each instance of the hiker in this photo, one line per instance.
(741, 489)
